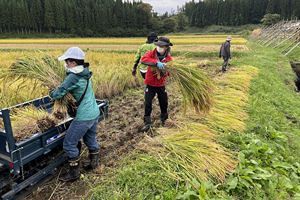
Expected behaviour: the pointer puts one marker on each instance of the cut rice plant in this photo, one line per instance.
(228, 113)
(29, 120)
(195, 86)
(231, 97)
(193, 153)
(48, 72)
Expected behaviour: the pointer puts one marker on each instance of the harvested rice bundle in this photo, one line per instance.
(29, 120)
(193, 153)
(49, 72)
(195, 86)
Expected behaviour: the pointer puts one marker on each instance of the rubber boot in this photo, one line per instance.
(163, 118)
(224, 69)
(73, 173)
(147, 124)
(93, 161)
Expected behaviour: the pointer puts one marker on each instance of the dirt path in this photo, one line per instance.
(118, 135)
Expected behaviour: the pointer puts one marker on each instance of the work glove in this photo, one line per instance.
(160, 65)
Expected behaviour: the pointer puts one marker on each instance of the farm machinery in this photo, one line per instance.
(25, 163)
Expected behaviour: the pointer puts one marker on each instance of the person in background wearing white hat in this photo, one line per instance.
(84, 125)
(225, 53)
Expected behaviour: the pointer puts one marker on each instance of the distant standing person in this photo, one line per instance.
(149, 46)
(225, 53)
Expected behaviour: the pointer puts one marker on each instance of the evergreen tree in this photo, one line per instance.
(49, 16)
(59, 17)
(131, 18)
(36, 14)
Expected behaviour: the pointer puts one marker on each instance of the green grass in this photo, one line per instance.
(139, 177)
(295, 54)
(269, 150)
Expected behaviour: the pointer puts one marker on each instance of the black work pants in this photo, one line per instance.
(162, 95)
(225, 64)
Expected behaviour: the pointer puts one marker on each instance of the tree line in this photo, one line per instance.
(238, 12)
(131, 18)
(79, 17)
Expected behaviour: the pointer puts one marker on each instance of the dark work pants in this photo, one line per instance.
(162, 95)
(77, 130)
(225, 64)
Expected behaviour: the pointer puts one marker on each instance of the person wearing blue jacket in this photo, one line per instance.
(84, 126)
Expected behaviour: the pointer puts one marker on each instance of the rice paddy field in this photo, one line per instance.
(177, 40)
(244, 144)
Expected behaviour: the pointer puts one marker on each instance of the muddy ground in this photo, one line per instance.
(119, 135)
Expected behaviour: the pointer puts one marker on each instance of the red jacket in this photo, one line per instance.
(151, 59)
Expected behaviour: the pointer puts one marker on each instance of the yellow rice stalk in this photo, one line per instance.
(47, 71)
(192, 151)
(178, 40)
(231, 97)
(60, 109)
(112, 73)
(13, 92)
(30, 120)
(230, 101)
(195, 86)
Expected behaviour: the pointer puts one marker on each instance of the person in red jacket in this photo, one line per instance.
(155, 80)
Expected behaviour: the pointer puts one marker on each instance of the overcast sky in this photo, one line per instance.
(161, 6)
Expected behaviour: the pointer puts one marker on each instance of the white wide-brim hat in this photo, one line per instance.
(73, 53)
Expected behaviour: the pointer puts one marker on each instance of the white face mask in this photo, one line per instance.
(66, 66)
(76, 70)
(161, 50)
